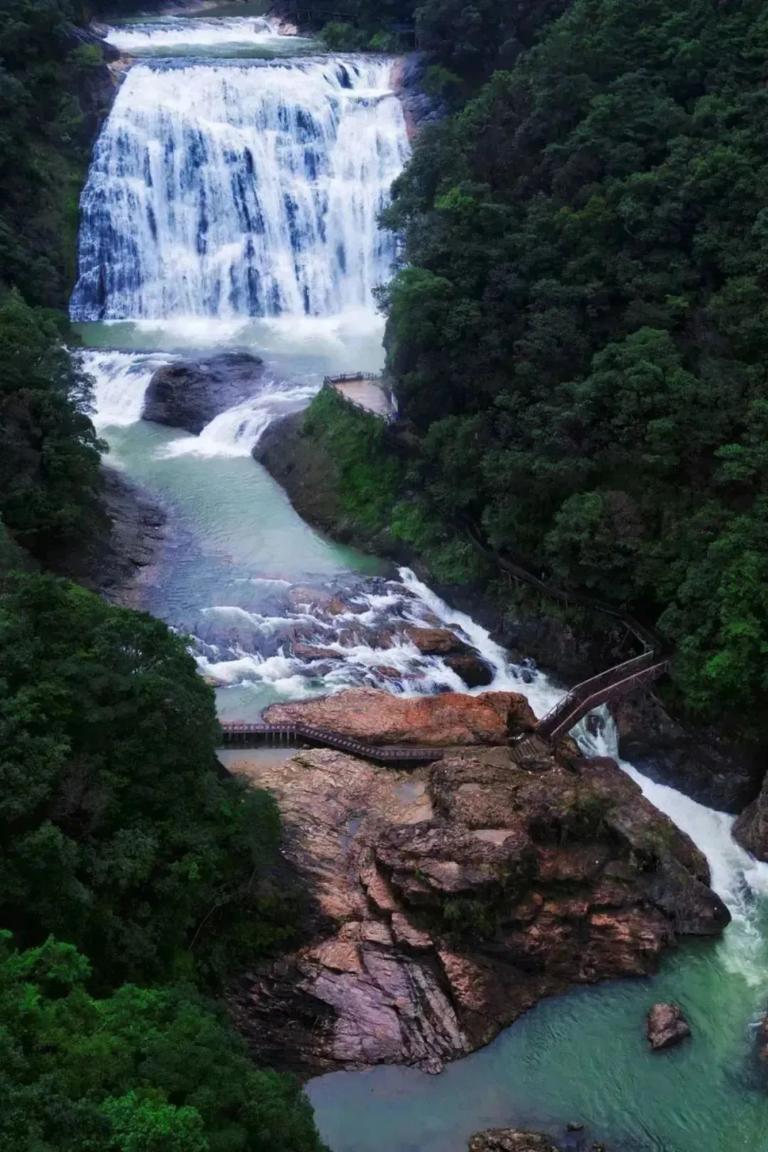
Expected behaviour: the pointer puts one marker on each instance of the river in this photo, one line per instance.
(232, 203)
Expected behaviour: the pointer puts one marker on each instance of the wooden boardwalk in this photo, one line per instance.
(273, 735)
(606, 686)
(611, 684)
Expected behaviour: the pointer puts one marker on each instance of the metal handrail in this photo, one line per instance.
(568, 717)
(231, 730)
(587, 686)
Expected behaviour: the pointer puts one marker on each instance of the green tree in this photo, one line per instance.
(120, 830)
(142, 1070)
(581, 314)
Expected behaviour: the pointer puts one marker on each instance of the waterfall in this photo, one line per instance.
(172, 33)
(119, 380)
(241, 189)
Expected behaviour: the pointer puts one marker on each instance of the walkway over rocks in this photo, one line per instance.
(256, 734)
(583, 698)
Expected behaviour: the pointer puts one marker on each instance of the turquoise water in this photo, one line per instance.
(580, 1057)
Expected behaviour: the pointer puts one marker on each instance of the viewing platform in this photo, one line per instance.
(366, 391)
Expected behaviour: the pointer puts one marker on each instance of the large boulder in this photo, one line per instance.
(751, 827)
(447, 720)
(666, 1026)
(190, 393)
(465, 661)
(444, 902)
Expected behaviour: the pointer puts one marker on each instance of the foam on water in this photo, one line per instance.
(236, 431)
(120, 381)
(139, 37)
(739, 879)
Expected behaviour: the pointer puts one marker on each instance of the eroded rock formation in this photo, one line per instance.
(510, 1140)
(448, 719)
(448, 901)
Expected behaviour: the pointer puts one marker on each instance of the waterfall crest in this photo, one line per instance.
(233, 189)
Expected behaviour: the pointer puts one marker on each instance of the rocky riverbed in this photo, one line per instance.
(447, 901)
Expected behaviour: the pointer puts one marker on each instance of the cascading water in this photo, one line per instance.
(234, 190)
(178, 33)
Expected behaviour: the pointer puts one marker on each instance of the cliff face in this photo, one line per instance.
(449, 900)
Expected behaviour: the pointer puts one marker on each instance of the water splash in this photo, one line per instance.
(120, 380)
(236, 190)
(739, 879)
(236, 431)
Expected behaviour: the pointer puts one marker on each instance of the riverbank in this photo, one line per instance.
(127, 543)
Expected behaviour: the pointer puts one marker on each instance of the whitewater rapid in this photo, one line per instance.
(221, 34)
(121, 380)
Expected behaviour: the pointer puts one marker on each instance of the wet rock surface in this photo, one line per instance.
(125, 543)
(419, 108)
(449, 900)
(701, 763)
(751, 827)
(188, 394)
(666, 1026)
(377, 717)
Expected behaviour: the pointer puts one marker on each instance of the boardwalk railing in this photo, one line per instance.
(574, 706)
(609, 685)
(349, 378)
(250, 735)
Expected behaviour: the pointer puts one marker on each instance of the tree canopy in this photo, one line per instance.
(582, 321)
(121, 832)
(142, 1070)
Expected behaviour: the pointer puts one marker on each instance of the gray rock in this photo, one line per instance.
(699, 762)
(190, 393)
(666, 1026)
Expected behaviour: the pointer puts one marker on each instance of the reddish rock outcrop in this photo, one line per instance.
(451, 719)
(666, 1026)
(449, 900)
(463, 659)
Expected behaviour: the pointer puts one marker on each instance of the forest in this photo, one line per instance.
(578, 333)
(135, 875)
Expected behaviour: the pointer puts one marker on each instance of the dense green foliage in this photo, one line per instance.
(581, 335)
(120, 833)
(46, 78)
(464, 40)
(369, 471)
(49, 457)
(144, 1070)
(48, 449)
